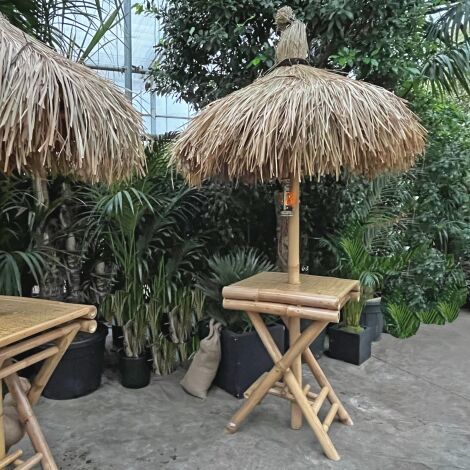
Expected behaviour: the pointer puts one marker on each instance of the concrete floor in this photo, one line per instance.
(410, 404)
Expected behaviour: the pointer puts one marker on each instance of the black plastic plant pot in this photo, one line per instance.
(373, 318)
(348, 346)
(134, 371)
(118, 336)
(80, 369)
(244, 359)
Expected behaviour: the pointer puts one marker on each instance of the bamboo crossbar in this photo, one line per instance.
(30, 463)
(30, 360)
(282, 393)
(320, 399)
(50, 364)
(330, 416)
(43, 338)
(323, 381)
(9, 459)
(254, 385)
(290, 311)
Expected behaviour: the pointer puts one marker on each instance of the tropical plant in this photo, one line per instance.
(76, 28)
(448, 35)
(368, 248)
(173, 311)
(223, 271)
(404, 320)
(225, 46)
(26, 239)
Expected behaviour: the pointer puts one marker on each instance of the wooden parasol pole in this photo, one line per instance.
(293, 259)
(293, 264)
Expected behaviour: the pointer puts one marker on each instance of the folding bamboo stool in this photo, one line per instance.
(316, 298)
(26, 324)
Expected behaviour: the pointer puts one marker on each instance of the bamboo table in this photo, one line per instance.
(315, 298)
(26, 324)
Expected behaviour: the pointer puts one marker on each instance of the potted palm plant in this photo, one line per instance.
(369, 249)
(243, 357)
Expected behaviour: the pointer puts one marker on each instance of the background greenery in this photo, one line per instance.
(150, 241)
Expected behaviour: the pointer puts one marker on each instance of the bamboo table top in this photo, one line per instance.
(21, 317)
(313, 291)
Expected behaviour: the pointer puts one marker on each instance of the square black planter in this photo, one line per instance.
(244, 359)
(347, 346)
(373, 317)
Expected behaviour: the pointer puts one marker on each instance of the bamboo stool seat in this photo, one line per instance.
(26, 324)
(315, 298)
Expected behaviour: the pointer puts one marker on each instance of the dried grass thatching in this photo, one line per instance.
(58, 116)
(299, 120)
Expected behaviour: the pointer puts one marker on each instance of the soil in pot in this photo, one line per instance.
(349, 346)
(80, 369)
(134, 371)
(244, 359)
(373, 318)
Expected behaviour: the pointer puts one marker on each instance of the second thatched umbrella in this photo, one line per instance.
(298, 121)
(57, 116)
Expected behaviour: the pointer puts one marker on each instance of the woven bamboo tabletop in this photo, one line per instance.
(313, 291)
(21, 317)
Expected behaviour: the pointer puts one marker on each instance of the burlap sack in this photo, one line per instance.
(14, 430)
(203, 369)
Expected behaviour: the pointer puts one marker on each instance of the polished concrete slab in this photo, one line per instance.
(410, 404)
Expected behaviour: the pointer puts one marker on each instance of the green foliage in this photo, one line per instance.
(73, 27)
(23, 256)
(225, 270)
(352, 315)
(237, 215)
(211, 48)
(404, 320)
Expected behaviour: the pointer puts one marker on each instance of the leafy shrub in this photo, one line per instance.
(225, 270)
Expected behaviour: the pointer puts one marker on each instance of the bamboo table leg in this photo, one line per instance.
(30, 422)
(283, 368)
(50, 365)
(276, 372)
(294, 333)
(291, 380)
(323, 382)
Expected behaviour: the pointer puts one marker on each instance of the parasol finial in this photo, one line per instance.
(293, 42)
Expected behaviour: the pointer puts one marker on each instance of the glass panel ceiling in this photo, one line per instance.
(167, 114)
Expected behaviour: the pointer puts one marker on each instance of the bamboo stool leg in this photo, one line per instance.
(277, 371)
(291, 380)
(50, 365)
(30, 421)
(320, 377)
(294, 333)
(311, 417)
(323, 382)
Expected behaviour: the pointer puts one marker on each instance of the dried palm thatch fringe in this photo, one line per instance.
(58, 116)
(299, 120)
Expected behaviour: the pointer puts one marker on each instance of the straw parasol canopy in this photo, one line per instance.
(57, 116)
(299, 120)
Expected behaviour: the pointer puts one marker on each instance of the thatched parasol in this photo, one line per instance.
(58, 116)
(298, 121)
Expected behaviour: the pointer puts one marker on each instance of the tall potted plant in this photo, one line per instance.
(368, 249)
(243, 357)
